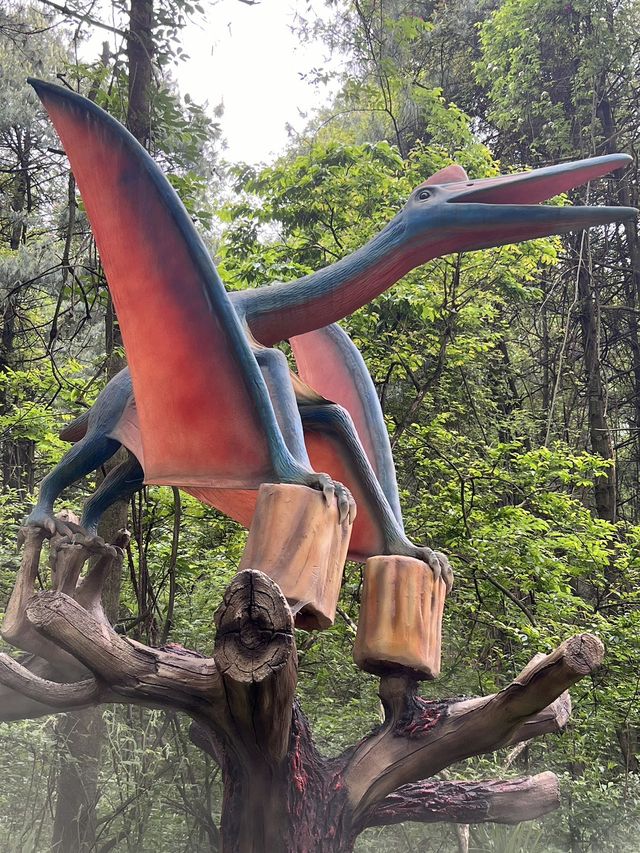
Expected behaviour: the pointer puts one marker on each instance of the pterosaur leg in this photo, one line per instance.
(277, 376)
(331, 364)
(278, 379)
(89, 453)
(97, 443)
(122, 482)
(332, 439)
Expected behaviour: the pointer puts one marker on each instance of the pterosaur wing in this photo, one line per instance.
(331, 364)
(197, 386)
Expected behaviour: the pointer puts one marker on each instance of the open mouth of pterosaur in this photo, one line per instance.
(511, 204)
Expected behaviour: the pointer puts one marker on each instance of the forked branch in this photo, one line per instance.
(420, 738)
(242, 701)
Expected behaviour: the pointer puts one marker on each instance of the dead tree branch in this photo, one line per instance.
(420, 738)
(509, 801)
(279, 791)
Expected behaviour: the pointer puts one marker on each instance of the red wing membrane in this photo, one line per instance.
(199, 424)
(321, 364)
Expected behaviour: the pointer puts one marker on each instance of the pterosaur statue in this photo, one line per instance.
(207, 404)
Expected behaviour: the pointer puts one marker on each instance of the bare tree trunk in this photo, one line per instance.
(74, 824)
(17, 454)
(140, 52)
(599, 433)
(80, 736)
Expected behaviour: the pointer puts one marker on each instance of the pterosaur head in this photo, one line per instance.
(451, 213)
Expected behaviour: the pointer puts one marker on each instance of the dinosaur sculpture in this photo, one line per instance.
(216, 410)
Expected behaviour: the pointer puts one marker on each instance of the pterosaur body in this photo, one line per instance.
(207, 404)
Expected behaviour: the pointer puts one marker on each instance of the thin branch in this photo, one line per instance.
(58, 696)
(80, 16)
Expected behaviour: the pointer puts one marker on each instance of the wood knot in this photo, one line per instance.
(251, 637)
(255, 628)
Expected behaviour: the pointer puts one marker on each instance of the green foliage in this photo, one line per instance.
(534, 564)
(542, 61)
(477, 362)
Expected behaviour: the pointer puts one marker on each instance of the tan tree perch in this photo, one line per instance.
(297, 539)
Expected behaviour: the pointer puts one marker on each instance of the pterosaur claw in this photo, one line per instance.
(432, 561)
(346, 503)
(330, 488)
(353, 509)
(439, 565)
(447, 571)
(50, 523)
(436, 560)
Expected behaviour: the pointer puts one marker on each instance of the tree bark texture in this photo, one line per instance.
(599, 432)
(280, 794)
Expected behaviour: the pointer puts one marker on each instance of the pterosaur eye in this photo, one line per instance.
(423, 195)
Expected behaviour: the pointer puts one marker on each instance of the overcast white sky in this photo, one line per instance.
(248, 58)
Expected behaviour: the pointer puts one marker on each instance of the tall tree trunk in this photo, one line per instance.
(17, 454)
(140, 52)
(80, 736)
(599, 434)
(75, 818)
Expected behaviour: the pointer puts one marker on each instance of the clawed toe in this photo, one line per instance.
(436, 560)
(447, 571)
(332, 488)
(48, 522)
(439, 565)
(346, 504)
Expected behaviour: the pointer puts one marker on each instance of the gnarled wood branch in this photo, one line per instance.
(506, 801)
(420, 738)
(56, 695)
(134, 671)
(243, 705)
(16, 628)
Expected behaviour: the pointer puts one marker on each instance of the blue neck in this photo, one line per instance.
(284, 309)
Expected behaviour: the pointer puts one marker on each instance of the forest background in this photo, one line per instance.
(510, 380)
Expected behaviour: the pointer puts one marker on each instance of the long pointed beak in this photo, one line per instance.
(507, 209)
(481, 226)
(537, 185)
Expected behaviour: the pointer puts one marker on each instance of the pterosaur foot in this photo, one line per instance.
(346, 504)
(62, 524)
(95, 545)
(438, 563)
(436, 560)
(330, 488)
